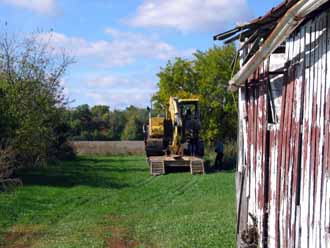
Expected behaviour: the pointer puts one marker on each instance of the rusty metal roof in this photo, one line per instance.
(260, 27)
(265, 34)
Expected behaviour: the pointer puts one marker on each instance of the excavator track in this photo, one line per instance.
(197, 166)
(158, 164)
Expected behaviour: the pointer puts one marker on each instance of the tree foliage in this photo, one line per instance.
(135, 119)
(205, 76)
(31, 103)
(99, 123)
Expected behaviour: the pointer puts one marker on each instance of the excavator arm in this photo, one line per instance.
(175, 117)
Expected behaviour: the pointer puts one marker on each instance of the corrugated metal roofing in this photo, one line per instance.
(259, 27)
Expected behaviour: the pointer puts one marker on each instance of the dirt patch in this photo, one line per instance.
(120, 236)
(22, 236)
(106, 148)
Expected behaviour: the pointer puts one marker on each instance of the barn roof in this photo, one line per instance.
(265, 34)
(259, 27)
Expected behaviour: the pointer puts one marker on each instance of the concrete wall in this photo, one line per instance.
(109, 147)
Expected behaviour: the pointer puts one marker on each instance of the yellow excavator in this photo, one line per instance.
(174, 140)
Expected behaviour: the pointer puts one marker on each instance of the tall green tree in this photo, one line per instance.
(205, 76)
(177, 78)
(214, 69)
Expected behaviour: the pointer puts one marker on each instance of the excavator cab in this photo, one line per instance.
(189, 108)
(191, 126)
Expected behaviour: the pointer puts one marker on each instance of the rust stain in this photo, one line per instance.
(288, 174)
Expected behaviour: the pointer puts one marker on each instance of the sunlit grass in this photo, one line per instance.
(102, 201)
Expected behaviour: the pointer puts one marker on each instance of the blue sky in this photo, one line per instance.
(119, 46)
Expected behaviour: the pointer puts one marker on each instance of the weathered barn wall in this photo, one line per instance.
(109, 147)
(284, 159)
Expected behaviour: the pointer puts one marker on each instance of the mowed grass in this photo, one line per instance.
(113, 202)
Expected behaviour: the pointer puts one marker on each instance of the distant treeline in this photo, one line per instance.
(102, 124)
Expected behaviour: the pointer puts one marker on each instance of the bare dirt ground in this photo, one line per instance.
(107, 148)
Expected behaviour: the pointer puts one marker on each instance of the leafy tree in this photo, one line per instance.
(32, 102)
(136, 118)
(132, 130)
(178, 78)
(81, 122)
(205, 76)
(101, 119)
(218, 106)
(101, 113)
(117, 124)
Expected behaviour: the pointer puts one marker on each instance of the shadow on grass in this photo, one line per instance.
(178, 169)
(81, 171)
(109, 159)
(229, 165)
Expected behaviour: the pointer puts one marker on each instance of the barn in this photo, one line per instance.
(283, 177)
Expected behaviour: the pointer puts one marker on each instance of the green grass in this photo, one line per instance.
(113, 202)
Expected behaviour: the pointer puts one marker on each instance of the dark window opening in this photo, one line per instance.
(271, 108)
(280, 49)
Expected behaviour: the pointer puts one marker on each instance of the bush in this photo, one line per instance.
(229, 158)
(32, 102)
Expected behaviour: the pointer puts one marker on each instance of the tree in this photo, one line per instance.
(219, 111)
(101, 113)
(32, 101)
(81, 122)
(101, 119)
(99, 123)
(178, 78)
(117, 124)
(205, 76)
(135, 119)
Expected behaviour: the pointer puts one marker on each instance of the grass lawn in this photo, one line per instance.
(113, 202)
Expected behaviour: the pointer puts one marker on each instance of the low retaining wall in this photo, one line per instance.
(109, 147)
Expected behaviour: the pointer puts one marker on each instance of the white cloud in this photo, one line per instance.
(190, 15)
(117, 90)
(116, 87)
(40, 6)
(120, 99)
(108, 81)
(123, 48)
(119, 82)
